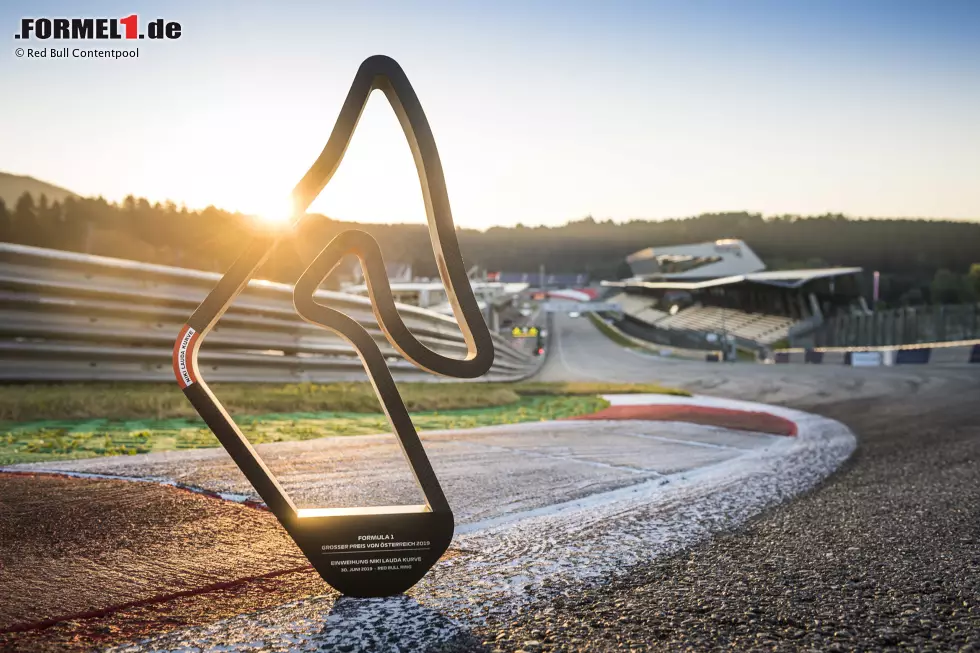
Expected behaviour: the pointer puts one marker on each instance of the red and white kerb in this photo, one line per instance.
(183, 370)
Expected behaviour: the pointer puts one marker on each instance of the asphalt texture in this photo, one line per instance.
(97, 560)
(884, 555)
(87, 562)
(486, 473)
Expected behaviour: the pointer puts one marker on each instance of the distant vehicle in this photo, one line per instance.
(574, 314)
(525, 312)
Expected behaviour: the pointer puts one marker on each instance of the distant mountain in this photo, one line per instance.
(13, 186)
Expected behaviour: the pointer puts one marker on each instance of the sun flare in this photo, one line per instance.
(279, 214)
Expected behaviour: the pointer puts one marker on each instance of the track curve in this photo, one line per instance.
(580, 352)
(571, 542)
(881, 557)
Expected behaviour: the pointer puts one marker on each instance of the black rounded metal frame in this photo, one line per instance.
(313, 529)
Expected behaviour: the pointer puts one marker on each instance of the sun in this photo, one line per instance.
(279, 213)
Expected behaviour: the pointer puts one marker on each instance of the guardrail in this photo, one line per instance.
(66, 316)
(934, 353)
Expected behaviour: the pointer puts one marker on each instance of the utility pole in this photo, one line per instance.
(541, 276)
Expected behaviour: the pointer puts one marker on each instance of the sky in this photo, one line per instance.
(543, 112)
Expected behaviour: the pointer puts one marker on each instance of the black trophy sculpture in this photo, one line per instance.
(373, 551)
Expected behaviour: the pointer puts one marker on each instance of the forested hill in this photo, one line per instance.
(909, 253)
(13, 186)
(894, 246)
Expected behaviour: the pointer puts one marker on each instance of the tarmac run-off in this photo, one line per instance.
(541, 509)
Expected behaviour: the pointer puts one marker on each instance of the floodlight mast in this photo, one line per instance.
(348, 546)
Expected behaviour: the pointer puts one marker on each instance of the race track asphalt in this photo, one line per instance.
(881, 555)
(884, 555)
(95, 557)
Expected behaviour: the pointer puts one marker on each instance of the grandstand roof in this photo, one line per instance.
(781, 278)
(711, 260)
(797, 278)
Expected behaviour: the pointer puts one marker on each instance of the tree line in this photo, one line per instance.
(920, 261)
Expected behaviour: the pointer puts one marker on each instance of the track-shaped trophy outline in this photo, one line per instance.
(372, 551)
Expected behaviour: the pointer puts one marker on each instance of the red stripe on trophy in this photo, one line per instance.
(183, 370)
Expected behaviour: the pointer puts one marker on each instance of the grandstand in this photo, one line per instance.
(756, 327)
(681, 295)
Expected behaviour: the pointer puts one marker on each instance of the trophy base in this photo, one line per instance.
(372, 552)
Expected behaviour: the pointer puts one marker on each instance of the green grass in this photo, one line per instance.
(163, 400)
(744, 354)
(611, 333)
(42, 440)
(782, 343)
(81, 420)
(122, 401)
